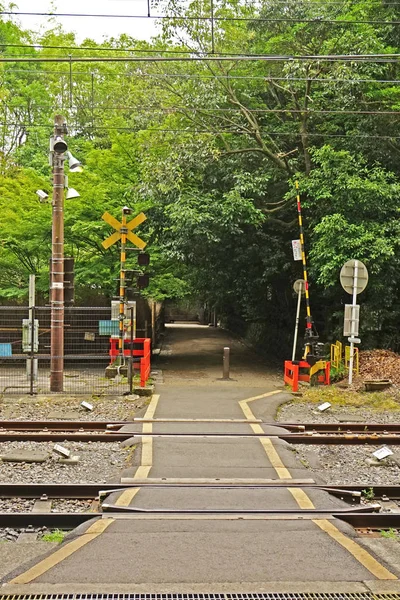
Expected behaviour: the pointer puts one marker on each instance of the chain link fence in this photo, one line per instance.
(25, 351)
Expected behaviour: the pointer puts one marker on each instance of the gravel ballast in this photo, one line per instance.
(307, 412)
(98, 462)
(40, 408)
(343, 464)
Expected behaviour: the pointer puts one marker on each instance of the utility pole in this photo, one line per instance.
(57, 149)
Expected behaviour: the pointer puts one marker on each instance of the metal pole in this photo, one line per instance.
(32, 323)
(57, 265)
(212, 28)
(225, 363)
(303, 260)
(153, 324)
(296, 327)
(353, 322)
(131, 354)
(122, 286)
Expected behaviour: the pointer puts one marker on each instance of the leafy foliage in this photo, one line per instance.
(210, 151)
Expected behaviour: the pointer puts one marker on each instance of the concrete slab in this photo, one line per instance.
(25, 456)
(222, 553)
(198, 452)
(214, 552)
(189, 498)
(236, 587)
(13, 555)
(222, 471)
(64, 416)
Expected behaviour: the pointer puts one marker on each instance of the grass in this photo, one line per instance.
(369, 493)
(340, 397)
(391, 534)
(130, 451)
(54, 536)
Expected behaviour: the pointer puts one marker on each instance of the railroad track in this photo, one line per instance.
(360, 517)
(110, 426)
(115, 436)
(89, 491)
(110, 431)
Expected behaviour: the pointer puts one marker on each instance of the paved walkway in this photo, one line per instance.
(220, 550)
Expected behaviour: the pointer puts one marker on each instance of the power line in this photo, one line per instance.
(96, 49)
(379, 58)
(194, 77)
(179, 109)
(204, 18)
(167, 109)
(206, 131)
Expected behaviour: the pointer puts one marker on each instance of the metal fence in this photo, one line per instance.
(25, 352)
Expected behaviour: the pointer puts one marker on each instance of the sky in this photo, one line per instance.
(95, 28)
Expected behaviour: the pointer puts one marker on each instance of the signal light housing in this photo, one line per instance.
(143, 259)
(143, 281)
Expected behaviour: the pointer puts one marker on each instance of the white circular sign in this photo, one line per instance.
(347, 276)
(299, 286)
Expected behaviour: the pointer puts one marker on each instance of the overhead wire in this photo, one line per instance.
(74, 125)
(203, 18)
(196, 76)
(179, 109)
(363, 58)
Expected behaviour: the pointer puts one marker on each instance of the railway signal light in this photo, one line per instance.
(143, 281)
(143, 259)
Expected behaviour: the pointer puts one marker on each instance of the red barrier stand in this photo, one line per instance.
(292, 374)
(144, 355)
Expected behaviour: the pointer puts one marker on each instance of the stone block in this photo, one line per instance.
(63, 416)
(73, 460)
(146, 391)
(26, 456)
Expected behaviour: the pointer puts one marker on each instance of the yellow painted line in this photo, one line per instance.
(301, 498)
(147, 442)
(147, 452)
(266, 443)
(275, 459)
(142, 472)
(266, 395)
(54, 559)
(361, 555)
(304, 502)
(151, 409)
(126, 497)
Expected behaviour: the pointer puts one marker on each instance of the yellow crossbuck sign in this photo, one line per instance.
(129, 226)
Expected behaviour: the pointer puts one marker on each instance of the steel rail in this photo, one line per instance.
(62, 425)
(358, 519)
(94, 490)
(341, 427)
(71, 426)
(292, 438)
(234, 511)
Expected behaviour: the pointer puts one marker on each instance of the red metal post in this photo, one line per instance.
(57, 266)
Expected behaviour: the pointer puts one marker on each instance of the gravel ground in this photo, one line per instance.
(10, 505)
(303, 412)
(99, 461)
(343, 464)
(9, 534)
(71, 506)
(347, 464)
(105, 408)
